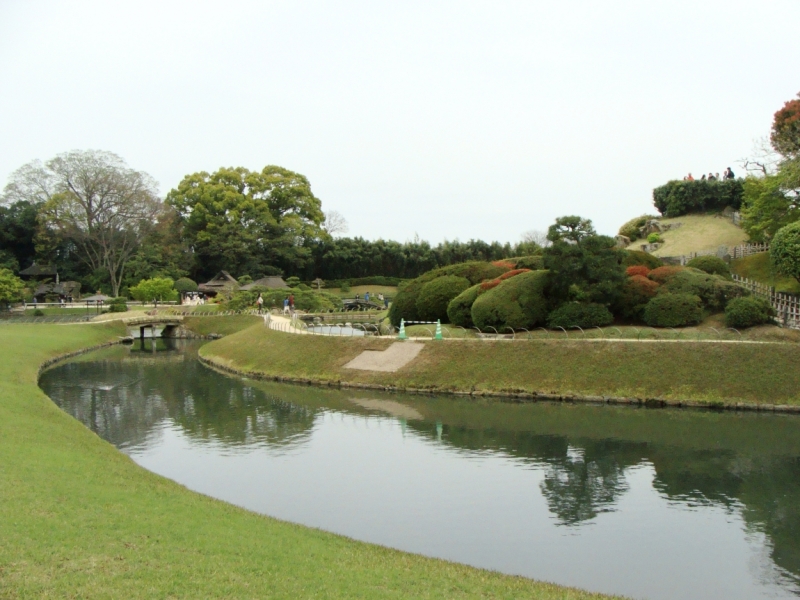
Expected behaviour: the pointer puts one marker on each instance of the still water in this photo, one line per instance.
(646, 503)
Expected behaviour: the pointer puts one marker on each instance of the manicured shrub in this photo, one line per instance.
(575, 314)
(714, 290)
(673, 310)
(663, 274)
(516, 302)
(653, 238)
(637, 270)
(345, 287)
(785, 250)
(636, 293)
(38, 313)
(118, 305)
(747, 312)
(404, 304)
(311, 301)
(631, 229)
(637, 257)
(678, 198)
(532, 263)
(459, 311)
(505, 263)
(711, 264)
(185, 285)
(435, 296)
(487, 285)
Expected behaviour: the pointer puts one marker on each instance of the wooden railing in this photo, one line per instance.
(787, 306)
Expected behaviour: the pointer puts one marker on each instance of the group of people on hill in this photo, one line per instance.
(728, 174)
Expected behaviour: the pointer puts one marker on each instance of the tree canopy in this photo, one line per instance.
(244, 221)
(11, 286)
(785, 134)
(93, 200)
(785, 250)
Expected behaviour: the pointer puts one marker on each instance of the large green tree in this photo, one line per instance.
(785, 250)
(245, 221)
(583, 266)
(771, 202)
(93, 201)
(11, 287)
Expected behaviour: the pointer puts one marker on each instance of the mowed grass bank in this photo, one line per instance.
(708, 372)
(80, 519)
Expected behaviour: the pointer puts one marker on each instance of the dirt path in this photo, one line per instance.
(390, 360)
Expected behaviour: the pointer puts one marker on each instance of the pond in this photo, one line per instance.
(650, 503)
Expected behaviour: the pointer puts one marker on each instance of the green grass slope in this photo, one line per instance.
(697, 233)
(758, 267)
(79, 519)
(758, 373)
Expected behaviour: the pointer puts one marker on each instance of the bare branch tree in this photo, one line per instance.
(334, 223)
(764, 159)
(537, 237)
(94, 200)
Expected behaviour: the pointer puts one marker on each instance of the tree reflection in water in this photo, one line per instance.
(744, 463)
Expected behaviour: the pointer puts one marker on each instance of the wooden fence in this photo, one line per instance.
(735, 252)
(787, 306)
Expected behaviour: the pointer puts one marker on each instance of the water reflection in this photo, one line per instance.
(648, 503)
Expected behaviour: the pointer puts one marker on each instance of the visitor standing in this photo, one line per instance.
(729, 174)
(285, 305)
(260, 303)
(291, 303)
(366, 297)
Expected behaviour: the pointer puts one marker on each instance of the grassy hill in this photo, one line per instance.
(698, 233)
(758, 267)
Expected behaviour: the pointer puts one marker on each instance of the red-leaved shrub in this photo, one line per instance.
(636, 293)
(503, 263)
(663, 274)
(637, 270)
(487, 285)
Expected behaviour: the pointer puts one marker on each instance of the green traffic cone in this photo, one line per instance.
(438, 335)
(402, 335)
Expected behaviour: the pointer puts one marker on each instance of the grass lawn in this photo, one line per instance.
(697, 233)
(374, 290)
(759, 373)
(758, 267)
(79, 519)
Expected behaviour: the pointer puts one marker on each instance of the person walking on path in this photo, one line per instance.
(366, 297)
(285, 305)
(259, 303)
(291, 303)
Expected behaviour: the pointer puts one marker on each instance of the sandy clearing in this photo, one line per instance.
(390, 360)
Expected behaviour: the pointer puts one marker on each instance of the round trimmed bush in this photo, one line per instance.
(459, 311)
(637, 270)
(516, 302)
(712, 265)
(714, 290)
(576, 314)
(636, 292)
(435, 296)
(663, 274)
(785, 250)
(533, 263)
(404, 304)
(653, 238)
(118, 305)
(673, 310)
(748, 312)
(185, 285)
(637, 257)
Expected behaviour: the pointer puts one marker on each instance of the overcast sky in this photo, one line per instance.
(447, 119)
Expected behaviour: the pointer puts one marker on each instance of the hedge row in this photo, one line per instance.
(678, 198)
(375, 280)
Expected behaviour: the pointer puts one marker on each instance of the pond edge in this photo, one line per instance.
(511, 396)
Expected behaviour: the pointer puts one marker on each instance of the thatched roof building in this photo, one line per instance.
(221, 282)
(273, 283)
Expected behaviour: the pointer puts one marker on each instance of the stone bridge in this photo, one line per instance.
(156, 326)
